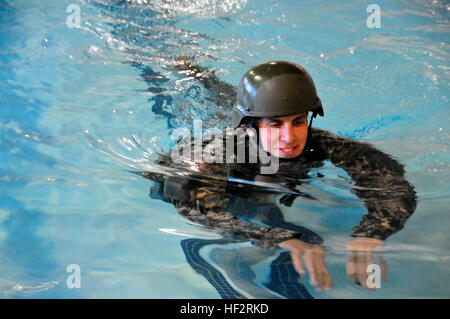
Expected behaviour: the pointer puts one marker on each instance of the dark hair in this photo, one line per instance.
(250, 122)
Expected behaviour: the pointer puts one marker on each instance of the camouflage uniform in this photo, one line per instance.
(207, 198)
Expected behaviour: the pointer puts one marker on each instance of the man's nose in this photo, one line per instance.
(287, 133)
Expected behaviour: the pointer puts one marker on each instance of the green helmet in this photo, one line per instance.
(275, 89)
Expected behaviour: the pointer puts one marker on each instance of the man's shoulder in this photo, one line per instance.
(326, 137)
(321, 133)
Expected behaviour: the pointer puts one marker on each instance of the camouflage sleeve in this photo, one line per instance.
(379, 183)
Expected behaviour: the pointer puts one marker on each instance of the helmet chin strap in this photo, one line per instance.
(308, 139)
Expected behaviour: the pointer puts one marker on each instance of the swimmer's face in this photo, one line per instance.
(284, 137)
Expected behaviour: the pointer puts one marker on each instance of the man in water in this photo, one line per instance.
(270, 118)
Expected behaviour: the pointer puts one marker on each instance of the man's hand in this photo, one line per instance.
(314, 258)
(361, 255)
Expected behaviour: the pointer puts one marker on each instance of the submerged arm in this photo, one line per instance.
(379, 182)
(208, 205)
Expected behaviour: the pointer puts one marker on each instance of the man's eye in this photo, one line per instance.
(300, 121)
(274, 124)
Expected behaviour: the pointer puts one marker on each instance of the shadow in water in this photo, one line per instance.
(284, 280)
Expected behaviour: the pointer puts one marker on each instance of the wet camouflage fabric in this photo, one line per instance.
(378, 181)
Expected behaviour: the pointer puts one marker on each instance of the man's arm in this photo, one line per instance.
(379, 182)
(208, 205)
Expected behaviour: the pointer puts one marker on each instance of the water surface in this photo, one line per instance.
(82, 108)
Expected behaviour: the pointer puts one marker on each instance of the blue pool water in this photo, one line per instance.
(81, 109)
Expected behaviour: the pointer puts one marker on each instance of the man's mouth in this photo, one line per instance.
(288, 150)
